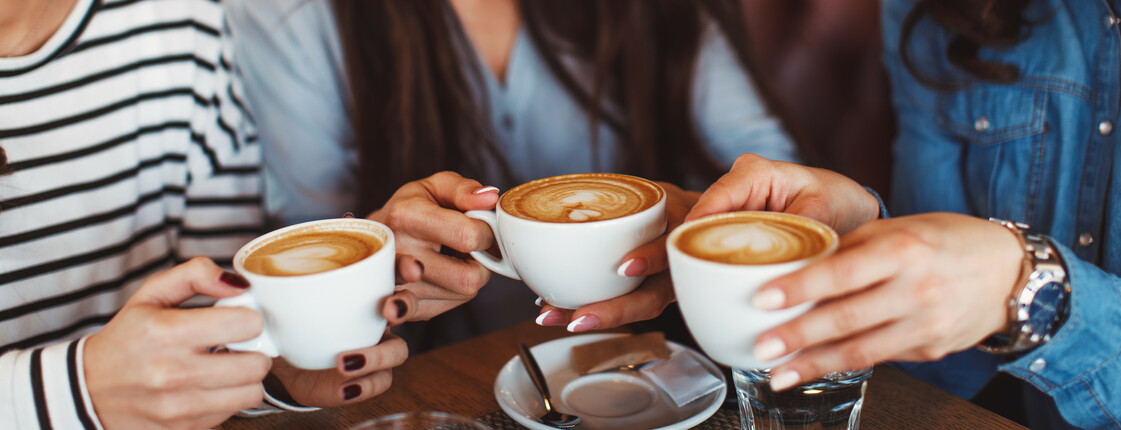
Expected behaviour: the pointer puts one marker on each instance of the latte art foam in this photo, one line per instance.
(581, 198)
(311, 252)
(755, 238)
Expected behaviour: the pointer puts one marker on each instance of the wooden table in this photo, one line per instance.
(460, 379)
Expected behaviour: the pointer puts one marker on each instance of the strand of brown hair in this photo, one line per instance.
(976, 24)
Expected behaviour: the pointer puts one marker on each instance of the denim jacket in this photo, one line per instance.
(1039, 151)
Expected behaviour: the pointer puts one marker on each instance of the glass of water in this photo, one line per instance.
(422, 420)
(832, 402)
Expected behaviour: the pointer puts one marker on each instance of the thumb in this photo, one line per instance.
(198, 276)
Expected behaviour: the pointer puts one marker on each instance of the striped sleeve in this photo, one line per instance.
(45, 388)
(223, 208)
(227, 143)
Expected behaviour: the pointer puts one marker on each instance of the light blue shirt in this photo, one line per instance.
(295, 78)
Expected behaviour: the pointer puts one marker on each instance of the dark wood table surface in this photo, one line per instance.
(459, 378)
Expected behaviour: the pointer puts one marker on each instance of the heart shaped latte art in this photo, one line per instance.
(308, 253)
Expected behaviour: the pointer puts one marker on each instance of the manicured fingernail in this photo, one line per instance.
(538, 302)
(784, 380)
(354, 362)
(769, 299)
(633, 267)
(584, 323)
(485, 190)
(351, 391)
(402, 308)
(234, 280)
(550, 318)
(769, 349)
(348, 215)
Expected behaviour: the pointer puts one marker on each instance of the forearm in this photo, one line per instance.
(46, 388)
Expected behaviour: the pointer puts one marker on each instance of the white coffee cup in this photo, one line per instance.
(311, 319)
(715, 298)
(570, 265)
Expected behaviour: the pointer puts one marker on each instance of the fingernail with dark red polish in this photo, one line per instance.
(234, 280)
(348, 215)
(402, 308)
(354, 362)
(351, 391)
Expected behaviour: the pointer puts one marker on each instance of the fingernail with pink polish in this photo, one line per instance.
(550, 318)
(485, 190)
(538, 302)
(769, 299)
(633, 267)
(584, 323)
(784, 380)
(769, 349)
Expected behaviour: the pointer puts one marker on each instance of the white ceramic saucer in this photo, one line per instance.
(610, 400)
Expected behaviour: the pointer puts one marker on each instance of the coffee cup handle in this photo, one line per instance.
(503, 266)
(263, 343)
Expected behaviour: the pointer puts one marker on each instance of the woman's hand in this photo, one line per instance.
(427, 216)
(360, 374)
(651, 297)
(758, 184)
(912, 288)
(150, 366)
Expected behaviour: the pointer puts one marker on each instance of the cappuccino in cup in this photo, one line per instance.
(312, 251)
(755, 238)
(319, 287)
(580, 198)
(566, 236)
(719, 261)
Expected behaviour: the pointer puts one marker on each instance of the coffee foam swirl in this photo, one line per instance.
(747, 240)
(581, 198)
(311, 252)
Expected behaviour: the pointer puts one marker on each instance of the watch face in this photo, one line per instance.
(1044, 311)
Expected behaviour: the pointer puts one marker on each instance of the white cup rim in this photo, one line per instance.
(243, 252)
(671, 241)
(661, 203)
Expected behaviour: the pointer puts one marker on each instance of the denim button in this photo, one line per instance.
(1038, 365)
(1085, 239)
(1105, 127)
(981, 124)
(1110, 20)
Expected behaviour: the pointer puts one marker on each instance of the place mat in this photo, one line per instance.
(724, 419)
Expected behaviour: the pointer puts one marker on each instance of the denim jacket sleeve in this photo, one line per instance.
(1080, 368)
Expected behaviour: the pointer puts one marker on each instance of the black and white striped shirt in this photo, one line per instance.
(131, 150)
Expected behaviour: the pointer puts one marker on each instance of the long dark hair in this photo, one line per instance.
(415, 111)
(976, 24)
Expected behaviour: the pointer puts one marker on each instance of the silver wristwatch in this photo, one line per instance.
(1039, 307)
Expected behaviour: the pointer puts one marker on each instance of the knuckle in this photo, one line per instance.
(168, 410)
(847, 317)
(931, 353)
(746, 159)
(927, 294)
(471, 280)
(400, 215)
(857, 356)
(468, 238)
(445, 175)
(380, 382)
(165, 376)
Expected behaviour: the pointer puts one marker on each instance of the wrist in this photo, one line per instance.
(1039, 300)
